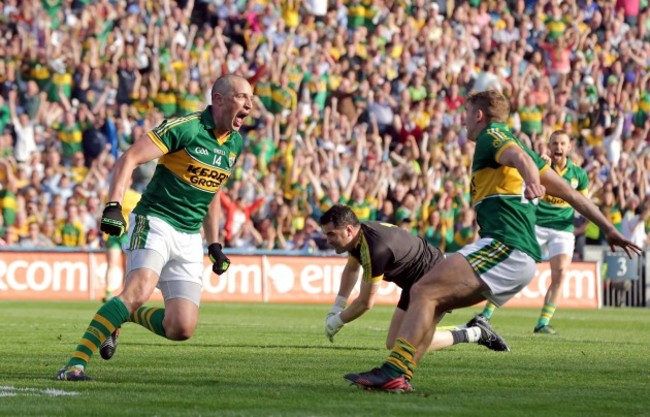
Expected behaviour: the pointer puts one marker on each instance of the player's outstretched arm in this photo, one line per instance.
(557, 187)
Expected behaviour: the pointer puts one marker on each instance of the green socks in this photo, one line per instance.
(488, 310)
(109, 317)
(400, 361)
(547, 313)
(151, 318)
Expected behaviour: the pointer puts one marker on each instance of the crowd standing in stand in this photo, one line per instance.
(358, 102)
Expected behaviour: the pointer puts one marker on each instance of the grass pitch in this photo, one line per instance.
(274, 360)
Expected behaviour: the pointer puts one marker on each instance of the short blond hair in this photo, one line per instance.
(559, 133)
(492, 103)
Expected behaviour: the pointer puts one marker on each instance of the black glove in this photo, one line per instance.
(113, 222)
(220, 261)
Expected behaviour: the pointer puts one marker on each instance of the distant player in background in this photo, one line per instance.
(554, 227)
(390, 253)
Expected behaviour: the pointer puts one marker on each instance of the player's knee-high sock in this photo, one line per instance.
(488, 310)
(151, 318)
(109, 317)
(545, 316)
(400, 361)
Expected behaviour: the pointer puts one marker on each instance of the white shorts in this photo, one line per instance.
(181, 254)
(557, 242)
(505, 270)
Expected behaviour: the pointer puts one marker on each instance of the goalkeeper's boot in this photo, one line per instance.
(489, 338)
(108, 348)
(378, 379)
(545, 329)
(72, 373)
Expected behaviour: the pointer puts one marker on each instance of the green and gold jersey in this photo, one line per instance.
(189, 103)
(295, 75)
(39, 73)
(555, 27)
(8, 207)
(325, 203)
(364, 210)
(166, 102)
(388, 252)
(502, 211)
(59, 83)
(70, 234)
(555, 213)
(642, 109)
(70, 137)
(644, 102)
(531, 119)
(361, 13)
(264, 92)
(195, 164)
(282, 99)
(462, 237)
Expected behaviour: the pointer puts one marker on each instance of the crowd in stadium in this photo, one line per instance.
(358, 101)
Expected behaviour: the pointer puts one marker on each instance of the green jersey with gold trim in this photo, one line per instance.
(554, 212)
(195, 164)
(502, 211)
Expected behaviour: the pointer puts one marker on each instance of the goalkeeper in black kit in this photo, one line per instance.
(382, 251)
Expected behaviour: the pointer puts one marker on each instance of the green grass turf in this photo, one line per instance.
(274, 360)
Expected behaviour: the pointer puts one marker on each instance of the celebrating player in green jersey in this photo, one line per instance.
(554, 227)
(507, 178)
(196, 155)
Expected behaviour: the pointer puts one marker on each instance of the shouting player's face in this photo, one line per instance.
(234, 106)
(559, 147)
(341, 238)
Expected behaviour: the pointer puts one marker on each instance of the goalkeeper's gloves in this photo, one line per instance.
(339, 305)
(113, 221)
(333, 324)
(220, 261)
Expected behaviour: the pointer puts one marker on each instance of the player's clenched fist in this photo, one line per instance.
(113, 221)
(220, 261)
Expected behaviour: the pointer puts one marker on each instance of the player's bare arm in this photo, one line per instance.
(349, 277)
(361, 304)
(514, 156)
(211, 221)
(557, 187)
(143, 150)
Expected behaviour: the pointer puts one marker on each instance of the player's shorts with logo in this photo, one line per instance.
(176, 256)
